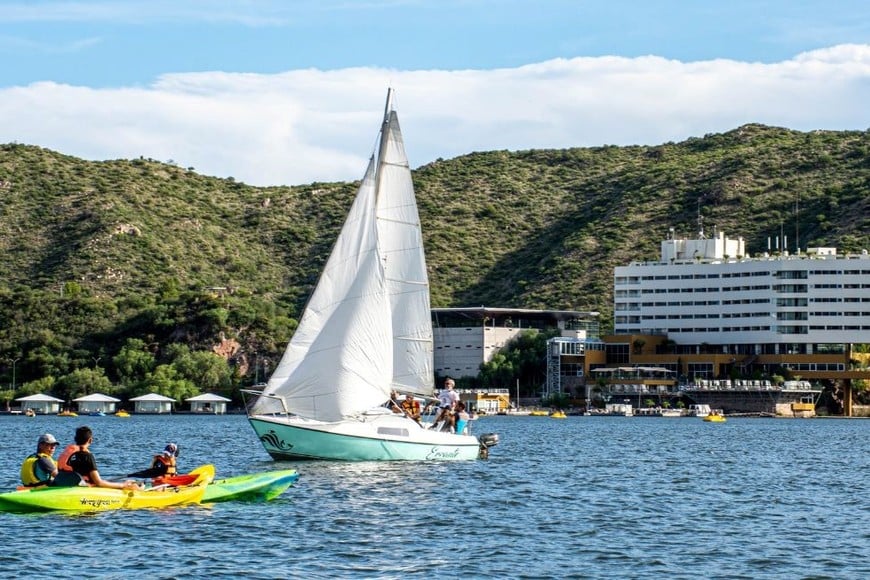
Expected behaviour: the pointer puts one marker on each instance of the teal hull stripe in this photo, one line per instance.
(283, 441)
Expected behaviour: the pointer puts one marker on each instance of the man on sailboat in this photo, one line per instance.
(447, 400)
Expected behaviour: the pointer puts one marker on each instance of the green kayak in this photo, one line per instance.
(251, 487)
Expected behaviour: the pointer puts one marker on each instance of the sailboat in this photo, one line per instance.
(365, 332)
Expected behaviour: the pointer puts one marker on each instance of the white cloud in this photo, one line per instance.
(312, 125)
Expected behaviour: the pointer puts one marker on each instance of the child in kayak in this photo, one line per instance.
(163, 465)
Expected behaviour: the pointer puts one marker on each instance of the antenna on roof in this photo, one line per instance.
(700, 222)
(797, 240)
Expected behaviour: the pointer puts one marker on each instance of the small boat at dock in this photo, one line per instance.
(715, 417)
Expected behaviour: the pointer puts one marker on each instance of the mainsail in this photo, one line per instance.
(366, 328)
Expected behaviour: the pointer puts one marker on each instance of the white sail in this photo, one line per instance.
(401, 244)
(339, 361)
(366, 328)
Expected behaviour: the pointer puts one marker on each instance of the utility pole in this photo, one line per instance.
(14, 361)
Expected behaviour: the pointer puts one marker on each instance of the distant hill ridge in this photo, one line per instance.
(532, 229)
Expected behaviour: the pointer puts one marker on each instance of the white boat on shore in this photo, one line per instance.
(516, 412)
(619, 409)
(365, 332)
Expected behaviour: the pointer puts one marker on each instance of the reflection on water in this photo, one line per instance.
(584, 497)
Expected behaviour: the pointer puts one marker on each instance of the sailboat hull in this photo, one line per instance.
(376, 438)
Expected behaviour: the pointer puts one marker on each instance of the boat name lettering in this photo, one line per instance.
(97, 502)
(442, 453)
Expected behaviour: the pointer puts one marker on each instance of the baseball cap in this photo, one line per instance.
(47, 438)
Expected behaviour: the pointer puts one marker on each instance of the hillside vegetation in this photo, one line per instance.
(117, 257)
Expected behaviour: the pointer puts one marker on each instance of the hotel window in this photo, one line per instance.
(700, 370)
(792, 275)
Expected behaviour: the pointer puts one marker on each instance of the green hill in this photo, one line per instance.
(96, 253)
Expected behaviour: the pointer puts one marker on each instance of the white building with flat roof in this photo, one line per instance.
(709, 292)
(465, 338)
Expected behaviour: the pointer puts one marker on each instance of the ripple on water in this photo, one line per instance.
(586, 497)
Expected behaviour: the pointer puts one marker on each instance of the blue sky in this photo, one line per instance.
(286, 92)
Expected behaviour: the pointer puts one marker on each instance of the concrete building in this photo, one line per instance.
(208, 403)
(772, 304)
(152, 403)
(41, 403)
(465, 338)
(707, 311)
(96, 403)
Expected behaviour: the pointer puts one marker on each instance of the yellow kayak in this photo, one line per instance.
(91, 499)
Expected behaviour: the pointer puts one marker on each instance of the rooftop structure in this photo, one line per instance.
(465, 338)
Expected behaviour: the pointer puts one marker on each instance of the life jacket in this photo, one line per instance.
(411, 407)
(63, 461)
(29, 476)
(169, 462)
(63, 458)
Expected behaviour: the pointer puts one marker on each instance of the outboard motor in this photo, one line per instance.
(487, 440)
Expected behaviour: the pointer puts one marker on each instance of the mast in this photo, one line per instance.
(382, 146)
(389, 104)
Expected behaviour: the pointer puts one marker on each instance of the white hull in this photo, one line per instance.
(700, 411)
(377, 437)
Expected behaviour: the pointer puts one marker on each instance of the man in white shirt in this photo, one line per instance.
(447, 400)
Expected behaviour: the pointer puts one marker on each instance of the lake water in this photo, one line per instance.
(583, 497)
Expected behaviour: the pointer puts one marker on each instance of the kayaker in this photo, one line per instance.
(164, 464)
(83, 462)
(40, 468)
(166, 460)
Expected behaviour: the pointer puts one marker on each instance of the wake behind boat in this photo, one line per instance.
(366, 331)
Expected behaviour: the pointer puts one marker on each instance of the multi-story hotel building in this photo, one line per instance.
(706, 310)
